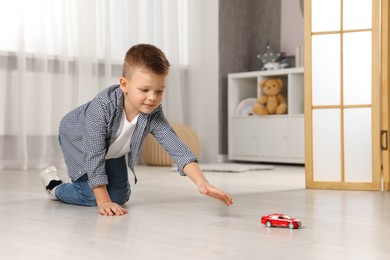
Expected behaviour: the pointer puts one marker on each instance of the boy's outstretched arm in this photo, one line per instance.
(193, 171)
(105, 205)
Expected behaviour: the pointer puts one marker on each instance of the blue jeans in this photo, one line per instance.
(118, 187)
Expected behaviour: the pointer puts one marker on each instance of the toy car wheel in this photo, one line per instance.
(268, 224)
(291, 226)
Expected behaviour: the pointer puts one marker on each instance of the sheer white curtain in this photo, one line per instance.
(56, 55)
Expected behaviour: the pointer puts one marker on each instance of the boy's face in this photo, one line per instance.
(143, 92)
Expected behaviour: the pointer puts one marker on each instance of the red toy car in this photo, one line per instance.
(280, 220)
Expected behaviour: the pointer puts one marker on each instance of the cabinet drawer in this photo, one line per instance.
(243, 137)
(273, 137)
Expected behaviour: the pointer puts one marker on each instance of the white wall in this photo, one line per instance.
(291, 26)
(203, 59)
(203, 75)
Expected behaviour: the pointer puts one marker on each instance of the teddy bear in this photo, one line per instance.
(271, 101)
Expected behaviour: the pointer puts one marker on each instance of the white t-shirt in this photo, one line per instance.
(121, 144)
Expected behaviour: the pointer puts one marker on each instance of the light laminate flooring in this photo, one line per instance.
(169, 219)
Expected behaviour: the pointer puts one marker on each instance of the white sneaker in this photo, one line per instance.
(50, 181)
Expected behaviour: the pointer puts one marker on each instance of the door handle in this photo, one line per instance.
(384, 144)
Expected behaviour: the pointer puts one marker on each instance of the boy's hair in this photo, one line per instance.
(145, 57)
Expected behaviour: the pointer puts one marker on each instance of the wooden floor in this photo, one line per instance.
(169, 219)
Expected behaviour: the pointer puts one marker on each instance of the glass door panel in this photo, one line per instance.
(357, 14)
(357, 68)
(326, 69)
(325, 15)
(357, 145)
(326, 145)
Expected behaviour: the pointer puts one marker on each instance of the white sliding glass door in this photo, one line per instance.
(342, 94)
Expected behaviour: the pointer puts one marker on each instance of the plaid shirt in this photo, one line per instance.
(86, 132)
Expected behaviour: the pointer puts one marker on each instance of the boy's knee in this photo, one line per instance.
(120, 197)
(122, 201)
(126, 198)
(71, 194)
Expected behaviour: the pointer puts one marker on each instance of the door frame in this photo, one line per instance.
(385, 93)
(376, 183)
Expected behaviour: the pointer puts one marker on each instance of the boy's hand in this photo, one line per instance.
(193, 171)
(211, 191)
(105, 205)
(110, 208)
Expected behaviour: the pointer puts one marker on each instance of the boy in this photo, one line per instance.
(96, 136)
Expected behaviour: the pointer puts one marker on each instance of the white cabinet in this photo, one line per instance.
(269, 138)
